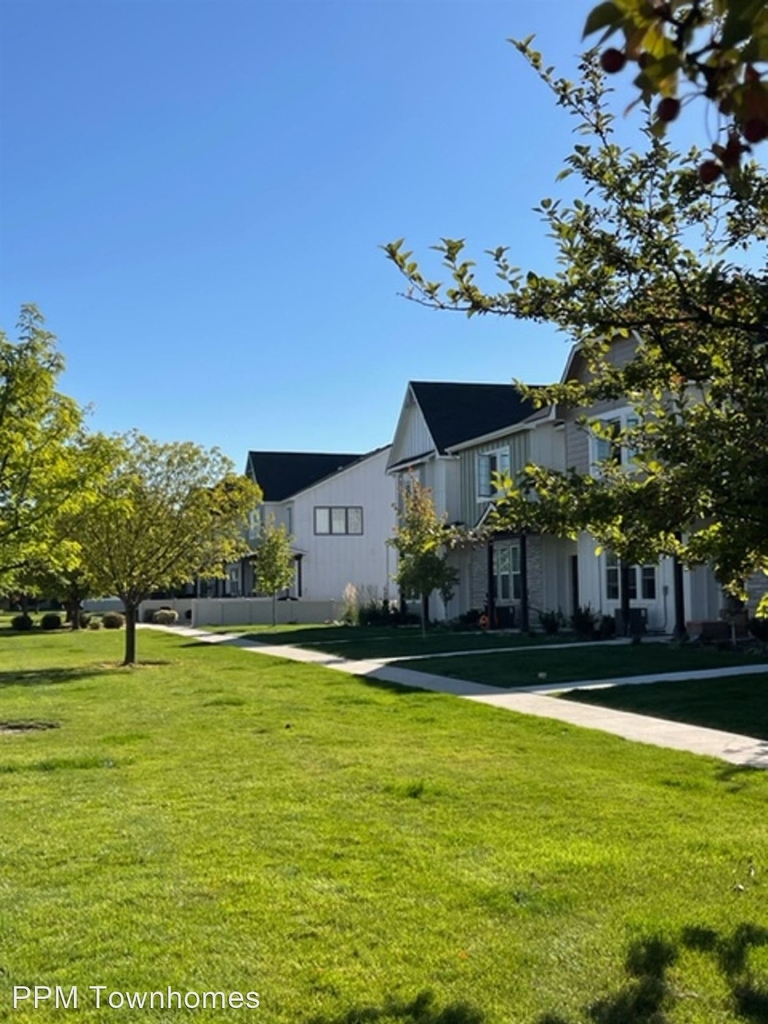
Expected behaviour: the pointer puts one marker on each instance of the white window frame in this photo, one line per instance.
(602, 450)
(645, 576)
(506, 567)
(498, 461)
(337, 516)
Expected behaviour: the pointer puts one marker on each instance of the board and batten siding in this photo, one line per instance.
(413, 437)
(518, 445)
(330, 561)
(577, 437)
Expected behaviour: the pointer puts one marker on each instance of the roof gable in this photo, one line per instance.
(456, 412)
(282, 474)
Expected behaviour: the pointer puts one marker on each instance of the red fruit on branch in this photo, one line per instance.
(755, 129)
(709, 171)
(612, 60)
(668, 109)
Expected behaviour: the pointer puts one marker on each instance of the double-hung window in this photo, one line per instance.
(489, 463)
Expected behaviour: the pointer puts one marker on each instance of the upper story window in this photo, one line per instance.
(489, 463)
(339, 519)
(607, 448)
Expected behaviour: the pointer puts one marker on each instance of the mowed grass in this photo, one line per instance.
(738, 704)
(388, 642)
(596, 661)
(215, 819)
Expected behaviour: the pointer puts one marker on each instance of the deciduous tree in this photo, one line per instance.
(684, 50)
(649, 252)
(421, 538)
(166, 513)
(44, 468)
(275, 565)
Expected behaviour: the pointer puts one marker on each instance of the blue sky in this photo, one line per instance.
(194, 192)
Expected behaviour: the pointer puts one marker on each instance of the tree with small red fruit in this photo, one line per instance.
(640, 253)
(718, 46)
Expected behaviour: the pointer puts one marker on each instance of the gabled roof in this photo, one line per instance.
(456, 412)
(282, 474)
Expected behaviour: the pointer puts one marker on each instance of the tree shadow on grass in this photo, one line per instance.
(47, 676)
(420, 1010)
(738, 774)
(648, 996)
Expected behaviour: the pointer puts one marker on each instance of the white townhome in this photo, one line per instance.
(339, 509)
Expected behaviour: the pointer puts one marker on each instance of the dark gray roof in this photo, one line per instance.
(281, 474)
(459, 412)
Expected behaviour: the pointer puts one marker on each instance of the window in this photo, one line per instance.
(613, 580)
(487, 464)
(607, 449)
(648, 582)
(339, 520)
(507, 584)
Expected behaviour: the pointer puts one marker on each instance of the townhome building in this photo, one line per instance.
(338, 509)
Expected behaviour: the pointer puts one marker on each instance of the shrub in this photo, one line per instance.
(22, 623)
(84, 619)
(550, 622)
(471, 618)
(165, 617)
(51, 620)
(94, 623)
(607, 627)
(759, 629)
(376, 613)
(350, 616)
(583, 622)
(113, 620)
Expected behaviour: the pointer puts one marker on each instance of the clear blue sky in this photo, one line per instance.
(194, 192)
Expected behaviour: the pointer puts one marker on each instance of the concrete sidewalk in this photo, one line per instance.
(533, 700)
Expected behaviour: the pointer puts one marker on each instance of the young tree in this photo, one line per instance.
(43, 466)
(420, 539)
(275, 566)
(166, 513)
(642, 256)
(716, 45)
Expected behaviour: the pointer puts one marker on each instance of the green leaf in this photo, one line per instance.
(605, 14)
(740, 21)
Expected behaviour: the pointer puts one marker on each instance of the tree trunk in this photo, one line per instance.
(131, 614)
(274, 609)
(73, 613)
(424, 613)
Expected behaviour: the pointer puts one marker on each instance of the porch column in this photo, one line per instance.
(624, 577)
(677, 571)
(490, 597)
(525, 623)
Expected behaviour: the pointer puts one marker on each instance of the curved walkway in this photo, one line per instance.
(533, 700)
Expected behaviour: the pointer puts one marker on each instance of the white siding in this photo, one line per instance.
(331, 561)
(412, 436)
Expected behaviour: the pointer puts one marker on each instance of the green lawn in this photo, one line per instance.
(360, 853)
(524, 668)
(388, 642)
(738, 704)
